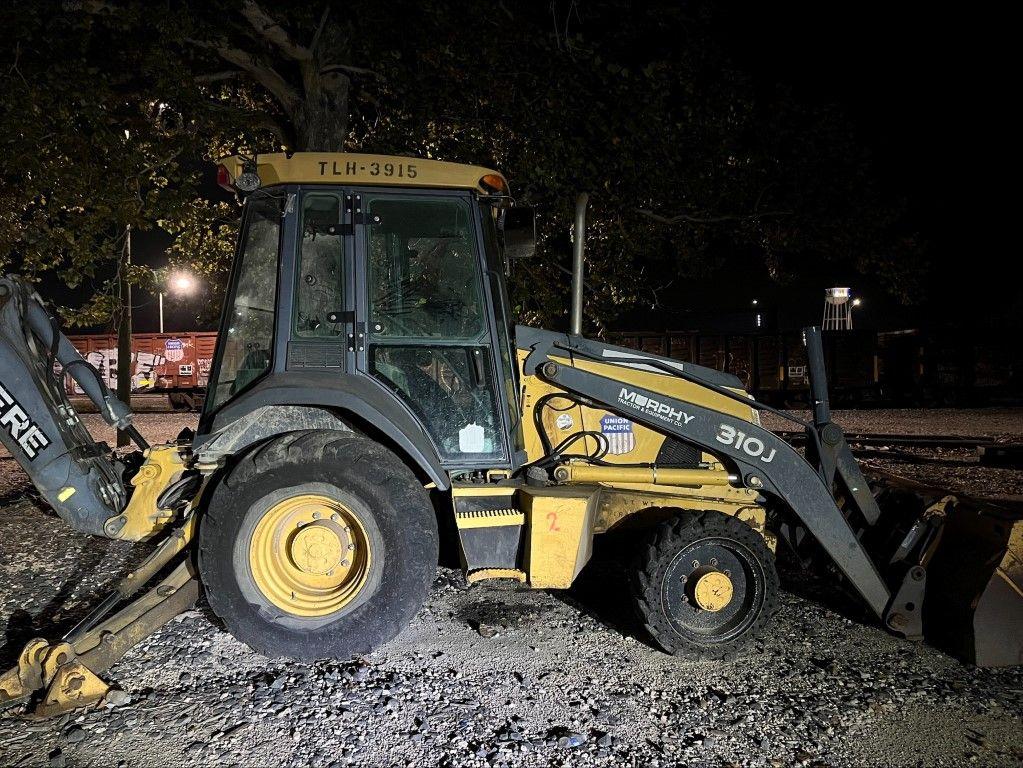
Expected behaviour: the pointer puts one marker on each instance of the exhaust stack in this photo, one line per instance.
(578, 249)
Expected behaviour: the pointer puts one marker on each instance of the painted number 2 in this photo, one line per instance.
(552, 518)
(751, 446)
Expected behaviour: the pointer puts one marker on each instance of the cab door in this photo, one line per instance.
(425, 312)
(321, 311)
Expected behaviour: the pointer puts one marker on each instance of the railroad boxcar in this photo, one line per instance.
(175, 364)
(773, 366)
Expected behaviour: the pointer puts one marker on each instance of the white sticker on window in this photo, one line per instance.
(565, 421)
(470, 439)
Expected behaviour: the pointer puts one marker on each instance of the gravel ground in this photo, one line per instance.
(507, 676)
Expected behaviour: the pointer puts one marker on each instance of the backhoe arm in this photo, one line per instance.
(80, 478)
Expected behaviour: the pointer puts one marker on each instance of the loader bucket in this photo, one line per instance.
(974, 603)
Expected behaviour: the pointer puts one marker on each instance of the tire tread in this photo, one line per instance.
(663, 542)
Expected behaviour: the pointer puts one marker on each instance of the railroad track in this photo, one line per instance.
(989, 452)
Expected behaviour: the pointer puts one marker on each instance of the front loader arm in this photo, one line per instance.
(764, 461)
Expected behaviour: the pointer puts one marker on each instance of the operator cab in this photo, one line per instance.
(373, 285)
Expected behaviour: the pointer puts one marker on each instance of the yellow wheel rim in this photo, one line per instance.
(713, 591)
(309, 555)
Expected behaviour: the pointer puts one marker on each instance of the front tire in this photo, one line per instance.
(318, 544)
(705, 585)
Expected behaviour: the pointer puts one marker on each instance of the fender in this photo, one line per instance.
(302, 400)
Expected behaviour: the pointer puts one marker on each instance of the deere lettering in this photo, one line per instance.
(19, 426)
(646, 404)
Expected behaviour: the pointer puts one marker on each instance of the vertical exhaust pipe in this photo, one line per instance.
(578, 249)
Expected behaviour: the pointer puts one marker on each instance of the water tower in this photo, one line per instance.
(837, 310)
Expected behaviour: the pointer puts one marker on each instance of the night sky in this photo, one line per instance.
(906, 79)
(903, 75)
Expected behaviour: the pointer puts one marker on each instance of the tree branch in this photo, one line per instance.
(351, 70)
(273, 32)
(265, 75)
(586, 283)
(156, 164)
(319, 30)
(690, 219)
(216, 77)
(94, 7)
(262, 73)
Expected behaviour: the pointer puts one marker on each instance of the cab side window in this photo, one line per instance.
(320, 278)
(424, 277)
(245, 348)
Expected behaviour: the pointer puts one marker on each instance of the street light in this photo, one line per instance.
(181, 283)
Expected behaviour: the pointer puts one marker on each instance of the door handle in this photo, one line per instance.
(477, 369)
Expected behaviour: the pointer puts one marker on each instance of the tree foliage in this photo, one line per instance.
(85, 156)
(690, 164)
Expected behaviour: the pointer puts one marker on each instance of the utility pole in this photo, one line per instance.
(124, 333)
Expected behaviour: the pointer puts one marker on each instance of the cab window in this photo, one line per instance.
(423, 271)
(429, 338)
(318, 287)
(247, 337)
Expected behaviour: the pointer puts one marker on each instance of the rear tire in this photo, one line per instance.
(281, 602)
(705, 585)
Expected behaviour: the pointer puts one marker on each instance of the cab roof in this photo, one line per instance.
(352, 168)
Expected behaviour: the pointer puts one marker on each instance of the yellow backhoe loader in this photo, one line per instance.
(370, 389)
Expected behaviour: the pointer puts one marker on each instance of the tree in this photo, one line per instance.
(85, 157)
(690, 166)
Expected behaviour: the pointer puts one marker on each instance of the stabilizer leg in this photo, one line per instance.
(60, 677)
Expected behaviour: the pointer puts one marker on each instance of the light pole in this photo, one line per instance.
(124, 366)
(180, 283)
